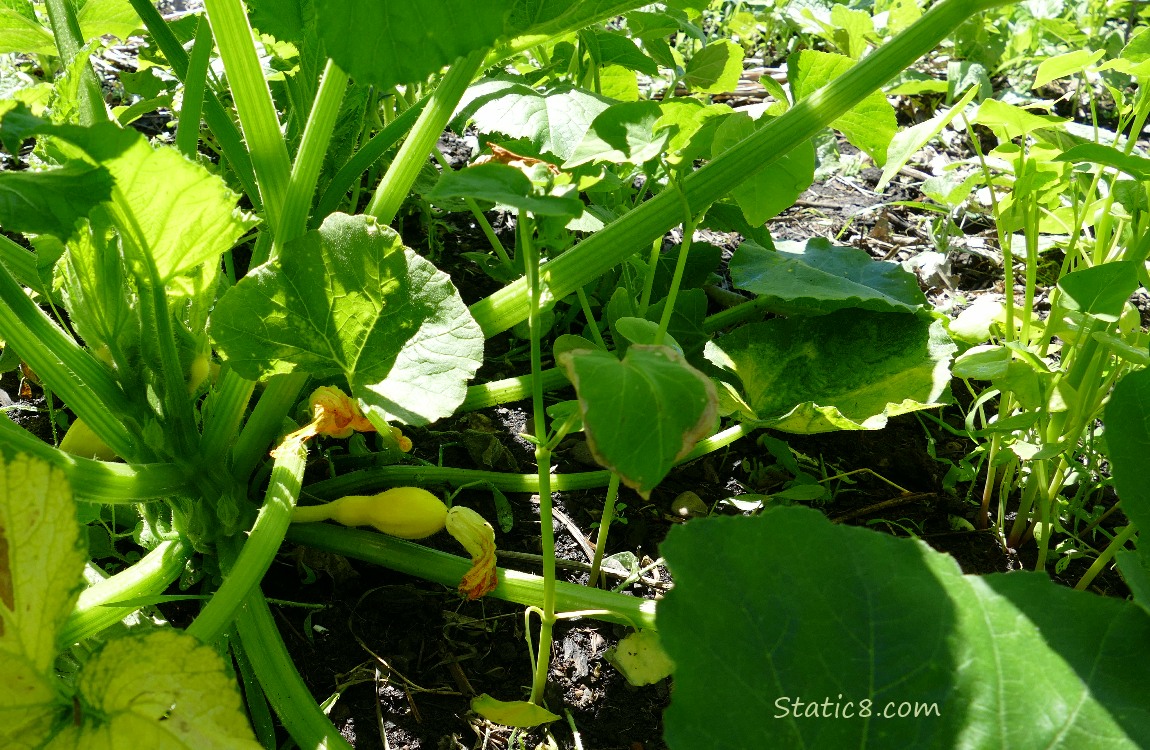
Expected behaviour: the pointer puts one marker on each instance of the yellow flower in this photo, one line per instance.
(477, 536)
(337, 415)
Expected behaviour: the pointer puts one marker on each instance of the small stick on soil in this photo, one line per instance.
(894, 502)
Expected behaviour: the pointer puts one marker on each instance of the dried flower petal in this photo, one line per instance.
(477, 536)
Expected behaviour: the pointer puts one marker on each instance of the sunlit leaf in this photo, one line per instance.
(350, 300)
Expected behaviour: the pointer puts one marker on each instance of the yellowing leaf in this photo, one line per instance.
(511, 713)
(641, 658)
(164, 689)
(41, 564)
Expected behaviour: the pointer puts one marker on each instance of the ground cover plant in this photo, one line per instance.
(248, 330)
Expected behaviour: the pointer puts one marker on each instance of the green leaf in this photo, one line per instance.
(286, 20)
(820, 278)
(165, 689)
(1095, 153)
(616, 48)
(1009, 122)
(23, 35)
(41, 567)
(775, 188)
(107, 17)
(554, 120)
(642, 414)
(503, 184)
(184, 214)
(1135, 569)
(870, 124)
(906, 143)
(385, 44)
(1066, 64)
(52, 201)
(785, 607)
(715, 68)
(349, 299)
(1100, 291)
(1127, 420)
(849, 370)
(511, 713)
(622, 134)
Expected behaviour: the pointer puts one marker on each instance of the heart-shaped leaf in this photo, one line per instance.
(641, 414)
(349, 299)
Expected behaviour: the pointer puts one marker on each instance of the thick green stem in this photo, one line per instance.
(264, 425)
(610, 246)
(510, 389)
(366, 156)
(149, 576)
(254, 104)
(412, 155)
(188, 127)
(282, 684)
(101, 480)
(218, 120)
(443, 568)
(70, 371)
(259, 549)
(309, 160)
(70, 43)
(222, 420)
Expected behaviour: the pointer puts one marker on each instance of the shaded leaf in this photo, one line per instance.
(643, 413)
(52, 201)
(819, 278)
(623, 133)
(849, 370)
(1100, 291)
(349, 299)
(1005, 661)
(502, 184)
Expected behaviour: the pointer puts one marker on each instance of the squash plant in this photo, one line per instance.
(132, 240)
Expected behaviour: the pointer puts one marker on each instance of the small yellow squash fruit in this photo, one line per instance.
(404, 512)
(80, 441)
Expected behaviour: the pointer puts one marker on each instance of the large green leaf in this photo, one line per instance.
(23, 35)
(819, 278)
(349, 299)
(622, 133)
(849, 370)
(788, 631)
(773, 189)
(870, 124)
(643, 413)
(385, 44)
(553, 120)
(52, 201)
(180, 214)
(1127, 420)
